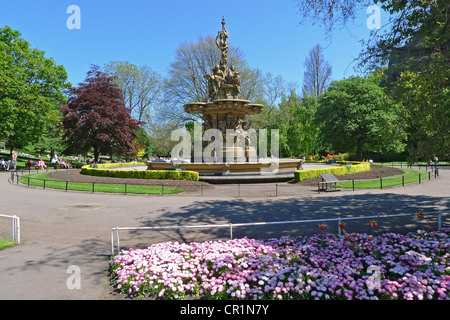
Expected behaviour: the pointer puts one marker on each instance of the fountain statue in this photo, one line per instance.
(226, 113)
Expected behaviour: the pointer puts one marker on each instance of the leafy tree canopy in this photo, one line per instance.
(96, 118)
(355, 114)
(32, 88)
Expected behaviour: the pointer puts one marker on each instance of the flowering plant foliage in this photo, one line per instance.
(413, 266)
(331, 156)
(373, 224)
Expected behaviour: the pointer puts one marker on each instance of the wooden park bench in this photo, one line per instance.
(330, 182)
(34, 166)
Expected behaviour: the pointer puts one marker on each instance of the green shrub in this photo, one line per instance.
(345, 168)
(138, 174)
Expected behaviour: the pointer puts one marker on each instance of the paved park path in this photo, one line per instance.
(63, 229)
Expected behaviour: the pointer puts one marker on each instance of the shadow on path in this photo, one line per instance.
(244, 211)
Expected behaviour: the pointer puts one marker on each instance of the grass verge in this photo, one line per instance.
(39, 179)
(405, 164)
(408, 176)
(6, 243)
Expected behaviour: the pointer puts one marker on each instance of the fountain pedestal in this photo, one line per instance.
(228, 117)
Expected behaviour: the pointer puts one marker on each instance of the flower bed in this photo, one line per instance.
(351, 266)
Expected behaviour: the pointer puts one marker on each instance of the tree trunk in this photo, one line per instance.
(96, 154)
(359, 150)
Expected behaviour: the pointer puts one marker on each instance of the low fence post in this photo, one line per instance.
(16, 229)
(353, 184)
(118, 240)
(231, 231)
(381, 183)
(112, 241)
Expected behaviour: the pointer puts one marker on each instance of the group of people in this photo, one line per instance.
(57, 161)
(4, 165)
(11, 164)
(38, 164)
(434, 161)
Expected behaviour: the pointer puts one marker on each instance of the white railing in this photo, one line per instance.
(15, 227)
(233, 225)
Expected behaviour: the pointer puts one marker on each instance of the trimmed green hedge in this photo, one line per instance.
(138, 174)
(347, 167)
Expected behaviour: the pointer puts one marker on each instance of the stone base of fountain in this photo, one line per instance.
(262, 167)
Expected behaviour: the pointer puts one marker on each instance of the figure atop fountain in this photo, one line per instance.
(234, 78)
(222, 82)
(222, 43)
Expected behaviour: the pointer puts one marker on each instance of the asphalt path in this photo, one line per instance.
(65, 236)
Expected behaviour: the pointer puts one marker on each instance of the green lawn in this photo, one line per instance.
(6, 243)
(409, 176)
(37, 179)
(405, 164)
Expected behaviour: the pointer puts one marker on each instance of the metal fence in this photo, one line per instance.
(382, 182)
(230, 226)
(238, 190)
(15, 227)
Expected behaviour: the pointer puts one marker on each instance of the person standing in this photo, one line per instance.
(13, 164)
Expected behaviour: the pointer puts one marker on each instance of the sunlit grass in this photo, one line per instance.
(6, 243)
(41, 180)
(408, 176)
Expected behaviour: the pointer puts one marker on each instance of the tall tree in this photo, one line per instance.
(414, 44)
(141, 87)
(96, 118)
(317, 75)
(357, 115)
(31, 90)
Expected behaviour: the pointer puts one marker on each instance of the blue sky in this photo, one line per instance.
(148, 33)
